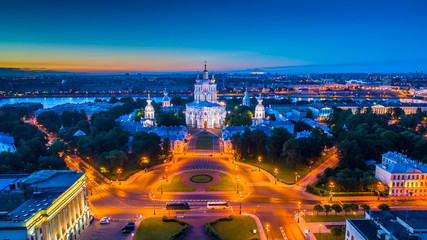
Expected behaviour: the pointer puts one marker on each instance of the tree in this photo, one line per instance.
(337, 208)
(50, 120)
(346, 207)
(354, 207)
(384, 207)
(365, 207)
(337, 231)
(327, 208)
(291, 152)
(318, 208)
(166, 147)
(275, 142)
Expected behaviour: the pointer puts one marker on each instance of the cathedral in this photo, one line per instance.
(205, 111)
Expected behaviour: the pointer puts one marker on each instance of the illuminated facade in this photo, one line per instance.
(402, 175)
(205, 111)
(57, 209)
(259, 116)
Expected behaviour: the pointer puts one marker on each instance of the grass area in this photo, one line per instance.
(331, 217)
(154, 228)
(331, 226)
(227, 184)
(202, 178)
(287, 172)
(239, 228)
(175, 185)
(204, 143)
(201, 171)
(328, 236)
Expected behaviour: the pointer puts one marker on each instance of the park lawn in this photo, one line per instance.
(154, 228)
(204, 143)
(331, 217)
(240, 228)
(175, 185)
(287, 172)
(227, 184)
(126, 173)
(328, 236)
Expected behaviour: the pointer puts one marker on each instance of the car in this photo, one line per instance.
(128, 228)
(104, 220)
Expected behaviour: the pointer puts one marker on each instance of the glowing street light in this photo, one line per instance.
(154, 204)
(331, 188)
(241, 199)
(276, 171)
(237, 184)
(259, 163)
(166, 170)
(267, 228)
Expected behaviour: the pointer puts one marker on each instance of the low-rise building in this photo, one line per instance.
(7, 143)
(388, 225)
(402, 175)
(56, 207)
(176, 135)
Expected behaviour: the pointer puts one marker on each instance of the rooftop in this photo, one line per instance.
(366, 227)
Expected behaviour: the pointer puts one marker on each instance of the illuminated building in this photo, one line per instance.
(402, 175)
(56, 208)
(205, 111)
(388, 225)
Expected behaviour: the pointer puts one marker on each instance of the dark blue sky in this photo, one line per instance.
(103, 36)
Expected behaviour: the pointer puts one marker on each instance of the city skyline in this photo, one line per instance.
(288, 37)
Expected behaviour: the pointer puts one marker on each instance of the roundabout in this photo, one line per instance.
(201, 178)
(201, 181)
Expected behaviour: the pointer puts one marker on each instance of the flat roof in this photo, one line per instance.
(366, 227)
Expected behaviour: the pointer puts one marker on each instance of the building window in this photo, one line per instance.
(348, 233)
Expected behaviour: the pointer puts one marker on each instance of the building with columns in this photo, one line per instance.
(56, 207)
(259, 115)
(205, 111)
(402, 175)
(149, 119)
(166, 102)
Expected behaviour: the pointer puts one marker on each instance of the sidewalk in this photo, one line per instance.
(305, 227)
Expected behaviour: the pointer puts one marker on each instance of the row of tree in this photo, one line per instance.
(32, 153)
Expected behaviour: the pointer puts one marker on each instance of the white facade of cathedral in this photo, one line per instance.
(149, 119)
(205, 111)
(259, 115)
(246, 99)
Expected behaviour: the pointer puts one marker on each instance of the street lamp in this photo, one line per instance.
(237, 184)
(236, 171)
(259, 163)
(276, 171)
(161, 186)
(331, 187)
(379, 189)
(119, 171)
(320, 228)
(166, 173)
(241, 199)
(267, 230)
(296, 177)
(154, 204)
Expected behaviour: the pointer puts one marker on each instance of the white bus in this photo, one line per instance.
(217, 205)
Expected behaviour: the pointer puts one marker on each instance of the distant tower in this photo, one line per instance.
(259, 113)
(149, 109)
(166, 100)
(246, 99)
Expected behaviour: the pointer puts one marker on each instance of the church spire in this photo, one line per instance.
(205, 73)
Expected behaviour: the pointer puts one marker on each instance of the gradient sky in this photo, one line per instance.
(170, 35)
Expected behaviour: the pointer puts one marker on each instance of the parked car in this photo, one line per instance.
(128, 228)
(104, 220)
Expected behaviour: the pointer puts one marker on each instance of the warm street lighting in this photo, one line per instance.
(154, 204)
(259, 163)
(241, 199)
(320, 228)
(299, 209)
(379, 189)
(161, 185)
(296, 177)
(237, 184)
(166, 170)
(331, 188)
(267, 230)
(276, 171)
(119, 171)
